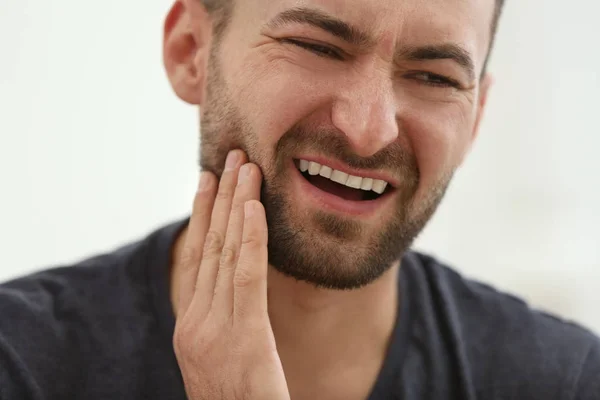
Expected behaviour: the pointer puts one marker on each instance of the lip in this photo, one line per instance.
(337, 165)
(333, 203)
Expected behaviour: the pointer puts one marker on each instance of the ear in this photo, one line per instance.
(186, 49)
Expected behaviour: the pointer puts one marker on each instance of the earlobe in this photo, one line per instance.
(186, 47)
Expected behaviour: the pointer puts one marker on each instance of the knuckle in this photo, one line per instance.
(229, 256)
(182, 339)
(179, 345)
(238, 203)
(190, 257)
(242, 278)
(252, 241)
(191, 339)
(213, 243)
(224, 195)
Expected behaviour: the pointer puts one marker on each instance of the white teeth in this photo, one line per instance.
(326, 171)
(355, 182)
(304, 165)
(367, 184)
(314, 168)
(379, 186)
(339, 177)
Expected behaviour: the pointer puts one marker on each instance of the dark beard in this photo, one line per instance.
(325, 250)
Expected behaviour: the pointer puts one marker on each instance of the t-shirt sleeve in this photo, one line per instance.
(588, 387)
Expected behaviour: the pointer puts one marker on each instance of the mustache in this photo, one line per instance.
(332, 143)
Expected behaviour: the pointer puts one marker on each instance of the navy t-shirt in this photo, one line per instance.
(102, 329)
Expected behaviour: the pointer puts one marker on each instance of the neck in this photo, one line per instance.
(321, 332)
(324, 321)
(325, 335)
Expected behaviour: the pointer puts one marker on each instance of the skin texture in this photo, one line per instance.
(223, 339)
(366, 106)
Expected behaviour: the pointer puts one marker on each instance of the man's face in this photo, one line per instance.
(387, 91)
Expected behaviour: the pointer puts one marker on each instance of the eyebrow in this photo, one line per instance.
(362, 39)
(446, 51)
(323, 21)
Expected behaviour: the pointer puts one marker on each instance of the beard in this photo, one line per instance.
(326, 250)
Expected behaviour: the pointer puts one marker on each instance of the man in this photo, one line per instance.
(330, 130)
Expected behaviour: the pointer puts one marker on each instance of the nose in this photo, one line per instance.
(365, 111)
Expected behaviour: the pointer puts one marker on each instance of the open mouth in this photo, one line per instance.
(341, 184)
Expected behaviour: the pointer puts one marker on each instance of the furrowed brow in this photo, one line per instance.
(323, 21)
(446, 51)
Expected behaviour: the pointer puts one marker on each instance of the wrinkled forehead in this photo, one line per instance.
(394, 24)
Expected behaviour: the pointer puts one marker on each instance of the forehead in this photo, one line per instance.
(396, 23)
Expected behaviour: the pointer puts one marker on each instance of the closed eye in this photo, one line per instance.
(431, 79)
(318, 49)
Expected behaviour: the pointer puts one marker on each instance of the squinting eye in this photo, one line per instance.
(430, 79)
(318, 49)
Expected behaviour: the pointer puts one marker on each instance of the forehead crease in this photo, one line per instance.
(365, 15)
(458, 22)
(405, 22)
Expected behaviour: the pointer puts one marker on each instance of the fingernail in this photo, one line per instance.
(232, 160)
(244, 174)
(203, 184)
(249, 209)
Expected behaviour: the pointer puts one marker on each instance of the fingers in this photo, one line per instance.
(248, 188)
(191, 254)
(250, 278)
(215, 237)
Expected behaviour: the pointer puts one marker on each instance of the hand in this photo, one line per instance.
(223, 338)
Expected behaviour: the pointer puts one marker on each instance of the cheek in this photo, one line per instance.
(274, 94)
(439, 135)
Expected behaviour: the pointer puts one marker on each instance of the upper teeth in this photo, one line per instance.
(355, 182)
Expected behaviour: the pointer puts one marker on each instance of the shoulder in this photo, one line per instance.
(55, 293)
(58, 314)
(69, 294)
(508, 343)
